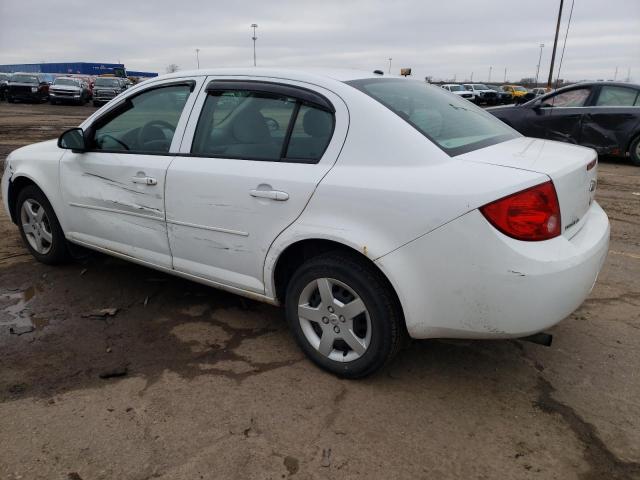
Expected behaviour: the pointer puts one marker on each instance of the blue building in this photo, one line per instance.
(82, 68)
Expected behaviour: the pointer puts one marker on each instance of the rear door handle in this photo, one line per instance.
(145, 180)
(270, 194)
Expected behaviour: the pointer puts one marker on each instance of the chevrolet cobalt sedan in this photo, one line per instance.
(371, 207)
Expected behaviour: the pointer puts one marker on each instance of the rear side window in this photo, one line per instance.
(611, 96)
(452, 123)
(259, 125)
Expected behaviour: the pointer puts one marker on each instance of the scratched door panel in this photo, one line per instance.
(110, 205)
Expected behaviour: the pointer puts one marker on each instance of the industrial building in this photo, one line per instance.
(81, 68)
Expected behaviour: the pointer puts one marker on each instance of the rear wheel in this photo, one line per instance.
(634, 152)
(344, 315)
(39, 227)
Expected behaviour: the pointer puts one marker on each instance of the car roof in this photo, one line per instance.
(310, 75)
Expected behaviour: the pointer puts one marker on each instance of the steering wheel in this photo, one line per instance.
(106, 135)
(144, 131)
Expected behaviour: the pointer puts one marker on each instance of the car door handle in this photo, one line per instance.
(145, 180)
(271, 194)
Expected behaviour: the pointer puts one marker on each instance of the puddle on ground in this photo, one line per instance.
(16, 316)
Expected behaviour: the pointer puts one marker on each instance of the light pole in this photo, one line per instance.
(254, 38)
(390, 65)
(555, 45)
(539, 61)
(490, 68)
(505, 74)
(198, 57)
(471, 77)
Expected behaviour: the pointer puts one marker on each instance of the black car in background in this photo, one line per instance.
(4, 85)
(107, 88)
(28, 87)
(504, 97)
(601, 115)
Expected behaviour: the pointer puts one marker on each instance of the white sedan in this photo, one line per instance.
(370, 207)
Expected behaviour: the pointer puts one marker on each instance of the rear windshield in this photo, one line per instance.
(107, 82)
(19, 78)
(456, 88)
(451, 122)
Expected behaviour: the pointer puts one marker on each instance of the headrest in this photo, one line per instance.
(249, 127)
(317, 123)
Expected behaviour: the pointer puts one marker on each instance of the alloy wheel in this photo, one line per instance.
(36, 226)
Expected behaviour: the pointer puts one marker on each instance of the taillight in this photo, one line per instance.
(531, 215)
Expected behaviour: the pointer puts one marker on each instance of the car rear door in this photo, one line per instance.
(611, 119)
(250, 160)
(559, 116)
(114, 192)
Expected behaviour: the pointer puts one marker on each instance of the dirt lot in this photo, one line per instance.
(204, 384)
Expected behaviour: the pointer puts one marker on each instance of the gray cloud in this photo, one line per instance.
(441, 39)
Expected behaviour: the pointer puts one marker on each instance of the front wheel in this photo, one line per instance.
(344, 315)
(634, 152)
(39, 227)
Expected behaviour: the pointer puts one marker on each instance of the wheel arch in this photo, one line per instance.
(16, 184)
(296, 253)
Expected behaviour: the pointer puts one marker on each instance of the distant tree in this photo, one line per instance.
(172, 68)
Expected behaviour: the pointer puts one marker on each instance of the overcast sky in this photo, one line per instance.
(441, 38)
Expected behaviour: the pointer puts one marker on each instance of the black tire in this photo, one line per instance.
(385, 315)
(9, 100)
(634, 152)
(96, 104)
(58, 251)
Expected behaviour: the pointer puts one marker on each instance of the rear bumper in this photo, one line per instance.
(467, 280)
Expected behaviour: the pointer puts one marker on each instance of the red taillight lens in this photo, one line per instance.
(531, 215)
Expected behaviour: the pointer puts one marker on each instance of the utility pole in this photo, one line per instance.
(471, 77)
(505, 74)
(454, 77)
(555, 45)
(198, 57)
(539, 61)
(628, 74)
(490, 68)
(615, 75)
(254, 38)
(390, 65)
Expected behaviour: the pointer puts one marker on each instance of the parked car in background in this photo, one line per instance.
(601, 115)
(456, 226)
(107, 88)
(4, 82)
(28, 87)
(459, 90)
(504, 97)
(537, 91)
(516, 91)
(69, 90)
(482, 93)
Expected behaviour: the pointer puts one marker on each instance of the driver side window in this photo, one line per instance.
(572, 98)
(144, 123)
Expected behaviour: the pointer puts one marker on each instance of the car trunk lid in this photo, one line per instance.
(572, 169)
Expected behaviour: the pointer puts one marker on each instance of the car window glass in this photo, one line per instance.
(451, 122)
(311, 133)
(243, 124)
(145, 123)
(611, 96)
(572, 98)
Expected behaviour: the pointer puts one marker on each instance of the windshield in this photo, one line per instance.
(20, 78)
(480, 86)
(452, 123)
(107, 82)
(520, 89)
(456, 88)
(66, 81)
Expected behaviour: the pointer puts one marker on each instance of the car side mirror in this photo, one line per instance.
(72, 139)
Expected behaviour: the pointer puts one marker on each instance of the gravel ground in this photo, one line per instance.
(186, 382)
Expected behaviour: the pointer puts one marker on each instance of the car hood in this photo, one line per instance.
(65, 88)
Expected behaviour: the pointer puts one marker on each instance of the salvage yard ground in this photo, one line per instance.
(133, 374)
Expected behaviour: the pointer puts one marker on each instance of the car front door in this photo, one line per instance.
(249, 163)
(559, 116)
(114, 192)
(611, 120)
